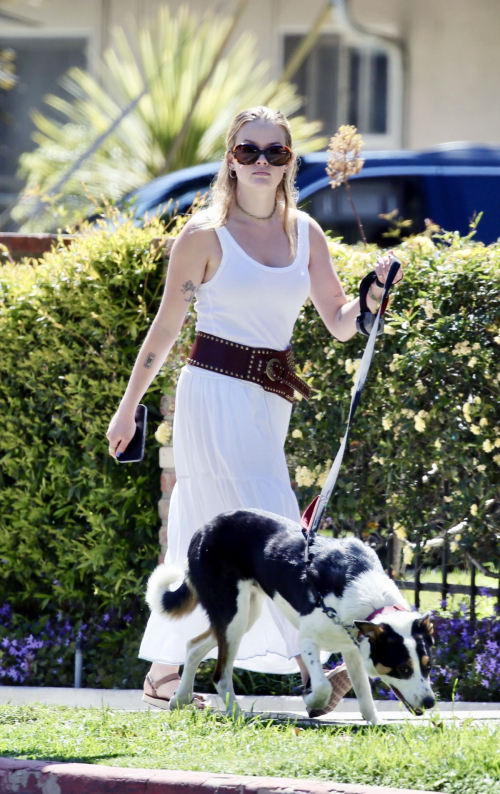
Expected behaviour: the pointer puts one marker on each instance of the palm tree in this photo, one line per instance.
(190, 93)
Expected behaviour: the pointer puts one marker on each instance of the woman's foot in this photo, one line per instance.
(159, 692)
(160, 685)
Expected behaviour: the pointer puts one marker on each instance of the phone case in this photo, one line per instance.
(134, 452)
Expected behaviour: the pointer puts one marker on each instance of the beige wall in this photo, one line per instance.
(455, 72)
(452, 57)
(453, 66)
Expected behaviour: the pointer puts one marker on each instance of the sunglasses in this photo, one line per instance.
(248, 154)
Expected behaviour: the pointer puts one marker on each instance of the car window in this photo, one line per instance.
(373, 197)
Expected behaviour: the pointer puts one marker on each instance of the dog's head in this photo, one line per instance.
(397, 649)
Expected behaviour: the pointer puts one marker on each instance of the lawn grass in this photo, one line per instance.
(485, 606)
(460, 758)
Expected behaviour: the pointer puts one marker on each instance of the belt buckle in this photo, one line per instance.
(270, 369)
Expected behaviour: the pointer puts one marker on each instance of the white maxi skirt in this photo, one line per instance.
(228, 439)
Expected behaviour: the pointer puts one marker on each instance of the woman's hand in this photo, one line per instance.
(121, 431)
(383, 266)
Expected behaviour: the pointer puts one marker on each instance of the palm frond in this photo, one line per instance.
(169, 62)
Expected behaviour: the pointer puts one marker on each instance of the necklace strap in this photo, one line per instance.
(257, 217)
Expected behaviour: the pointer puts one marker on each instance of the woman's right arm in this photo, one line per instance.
(188, 261)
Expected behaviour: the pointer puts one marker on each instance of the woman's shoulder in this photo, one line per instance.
(198, 236)
(200, 221)
(315, 229)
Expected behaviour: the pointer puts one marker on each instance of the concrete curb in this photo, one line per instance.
(45, 777)
(278, 708)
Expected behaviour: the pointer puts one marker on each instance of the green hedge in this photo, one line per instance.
(79, 532)
(425, 444)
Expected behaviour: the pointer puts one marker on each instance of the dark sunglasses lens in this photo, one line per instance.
(246, 154)
(278, 155)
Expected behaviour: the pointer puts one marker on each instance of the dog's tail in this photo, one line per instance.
(174, 603)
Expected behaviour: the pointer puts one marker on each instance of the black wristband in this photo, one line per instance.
(379, 283)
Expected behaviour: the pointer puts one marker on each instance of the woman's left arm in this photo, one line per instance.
(338, 314)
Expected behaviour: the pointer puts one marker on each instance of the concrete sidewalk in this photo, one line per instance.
(43, 777)
(347, 712)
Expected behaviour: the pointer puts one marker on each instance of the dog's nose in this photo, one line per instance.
(428, 702)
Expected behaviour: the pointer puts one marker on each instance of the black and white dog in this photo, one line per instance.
(241, 557)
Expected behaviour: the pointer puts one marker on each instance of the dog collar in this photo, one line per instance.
(384, 610)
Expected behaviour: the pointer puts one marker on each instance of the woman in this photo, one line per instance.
(252, 259)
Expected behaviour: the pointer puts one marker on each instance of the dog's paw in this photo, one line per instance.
(178, 701)
(373, 718)
(319, 697)
(234, 711)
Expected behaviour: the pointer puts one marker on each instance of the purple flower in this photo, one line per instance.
(14, 674)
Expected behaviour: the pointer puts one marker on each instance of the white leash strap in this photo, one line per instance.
(326, 492)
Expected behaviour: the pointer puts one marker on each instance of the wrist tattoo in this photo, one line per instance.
(188, 289)
(149, 360)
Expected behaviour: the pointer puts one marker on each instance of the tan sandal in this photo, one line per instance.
(341, 684)
(164, 703)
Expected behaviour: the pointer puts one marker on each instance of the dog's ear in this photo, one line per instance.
(374, 631)
(424, 625)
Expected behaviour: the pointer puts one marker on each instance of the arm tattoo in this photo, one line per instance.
(149, 360)
(188, 289)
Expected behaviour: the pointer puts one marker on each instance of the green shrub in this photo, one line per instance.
(78, 530)
(425, 444)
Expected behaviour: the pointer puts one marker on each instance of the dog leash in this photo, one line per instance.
(371, 325)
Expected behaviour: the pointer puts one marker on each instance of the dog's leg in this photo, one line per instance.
(321, 688)
(248, 608)
(361, 685)
(196, 649)
(257, 598)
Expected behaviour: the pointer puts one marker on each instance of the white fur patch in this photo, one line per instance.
(159, 581)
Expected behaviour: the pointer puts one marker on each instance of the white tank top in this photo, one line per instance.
(251, 303)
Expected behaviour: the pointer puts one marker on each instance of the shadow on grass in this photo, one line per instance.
(34, 755)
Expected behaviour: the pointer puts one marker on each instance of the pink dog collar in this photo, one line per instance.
(383, 610)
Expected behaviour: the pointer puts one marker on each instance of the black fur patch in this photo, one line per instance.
(269, 549)
(424, 642)
(391, 652)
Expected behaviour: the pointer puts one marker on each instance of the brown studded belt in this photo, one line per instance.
(274, 370)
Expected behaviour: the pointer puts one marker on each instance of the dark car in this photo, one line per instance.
(448, 184)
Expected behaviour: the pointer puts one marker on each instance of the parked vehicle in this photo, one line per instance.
(448, 184)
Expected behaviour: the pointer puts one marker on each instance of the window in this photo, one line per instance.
(372, 196)
(40, 62)
(345, 83)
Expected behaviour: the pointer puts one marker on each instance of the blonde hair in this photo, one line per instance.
(223, 189)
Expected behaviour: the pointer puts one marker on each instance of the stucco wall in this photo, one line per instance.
(452, 58)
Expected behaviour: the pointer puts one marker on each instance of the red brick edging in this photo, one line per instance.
(45, 777)
(35, 245)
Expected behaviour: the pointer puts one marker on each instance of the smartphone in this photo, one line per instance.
(134, 452)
